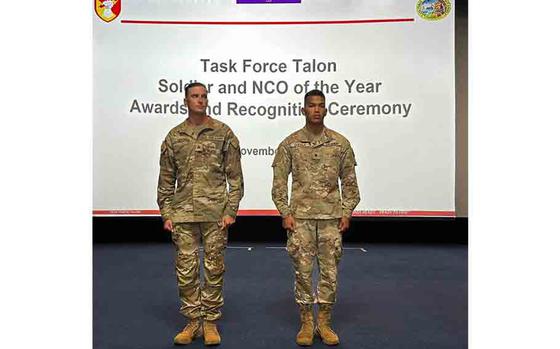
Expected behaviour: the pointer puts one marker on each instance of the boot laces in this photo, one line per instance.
(191, 327)
(210, 326)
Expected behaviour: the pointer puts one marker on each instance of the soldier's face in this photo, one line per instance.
(197, 99)
(314, 110)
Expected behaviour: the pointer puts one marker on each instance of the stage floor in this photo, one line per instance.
(389, 296)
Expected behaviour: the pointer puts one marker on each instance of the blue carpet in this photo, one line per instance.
(389, 296)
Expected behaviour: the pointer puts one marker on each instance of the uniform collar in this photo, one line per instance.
(194, 131)
(305, 136)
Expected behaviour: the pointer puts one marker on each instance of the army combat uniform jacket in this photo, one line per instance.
(316, 166)
(195, 163)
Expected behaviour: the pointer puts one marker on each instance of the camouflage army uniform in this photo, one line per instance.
(195, 163)
(316, 164)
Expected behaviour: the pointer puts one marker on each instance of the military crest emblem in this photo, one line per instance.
(107, 10)
(433, 10)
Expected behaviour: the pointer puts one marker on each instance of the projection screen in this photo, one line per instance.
(386, 68)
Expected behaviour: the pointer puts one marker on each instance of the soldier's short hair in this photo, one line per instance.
(313, 93)
(194, 84)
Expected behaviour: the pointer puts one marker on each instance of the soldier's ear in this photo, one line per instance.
(302, 111)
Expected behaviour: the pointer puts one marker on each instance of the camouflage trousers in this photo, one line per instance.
(315, 240)
(200, 301)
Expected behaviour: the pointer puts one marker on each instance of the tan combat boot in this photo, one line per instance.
(211, 335)
(190, 332)
(324, 329)
(305, 334)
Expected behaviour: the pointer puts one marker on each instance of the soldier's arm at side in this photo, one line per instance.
(349, 183)
(234, 176)
(282, 166)
(166, 181)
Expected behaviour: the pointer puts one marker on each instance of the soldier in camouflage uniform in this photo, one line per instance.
(316, 215)
(197, 158)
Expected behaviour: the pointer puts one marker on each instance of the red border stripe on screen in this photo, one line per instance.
(372, 213)
(351, 21)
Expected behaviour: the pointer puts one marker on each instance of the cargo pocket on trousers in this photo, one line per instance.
(291, 246)
(174, 235)
(338, 249)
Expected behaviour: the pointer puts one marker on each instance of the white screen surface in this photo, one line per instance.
(400, 122)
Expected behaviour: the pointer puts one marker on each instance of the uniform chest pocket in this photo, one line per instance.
(210, 147)
(329, 164)
(183, 150)
(301, 157)
(331, 155)
(182, 146)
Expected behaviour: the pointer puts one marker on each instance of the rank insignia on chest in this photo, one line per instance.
(316, 157)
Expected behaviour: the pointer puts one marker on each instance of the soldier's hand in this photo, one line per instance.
(226, 222)
(289, 223)
(344, 224)
(168, 225)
